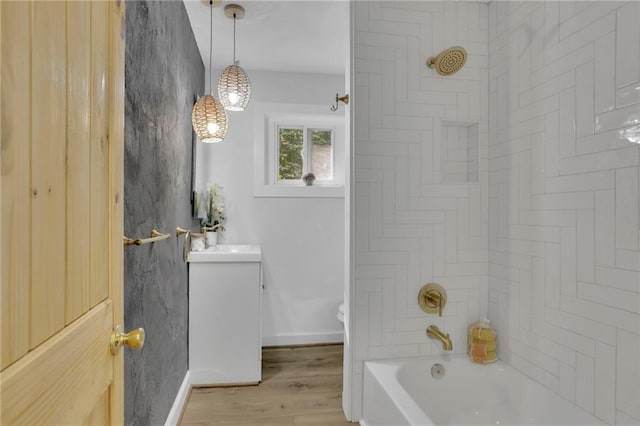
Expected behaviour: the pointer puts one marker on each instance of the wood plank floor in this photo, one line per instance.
(301, 386)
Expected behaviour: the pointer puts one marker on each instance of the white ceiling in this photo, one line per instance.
(276, 35)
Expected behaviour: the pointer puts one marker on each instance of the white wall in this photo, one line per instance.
(564, 241)
(302, 239)
(411, 229)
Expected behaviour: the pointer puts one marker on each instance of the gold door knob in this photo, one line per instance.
(134, 339)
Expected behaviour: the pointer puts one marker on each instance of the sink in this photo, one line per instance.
(227, 253)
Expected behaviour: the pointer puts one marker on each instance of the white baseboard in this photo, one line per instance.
(181, 399)
(286, 339)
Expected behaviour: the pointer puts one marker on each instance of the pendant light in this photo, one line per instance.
(209, 118)
(234, 87)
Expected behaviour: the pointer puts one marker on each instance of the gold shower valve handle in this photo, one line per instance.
(134, 339)
(432, 298)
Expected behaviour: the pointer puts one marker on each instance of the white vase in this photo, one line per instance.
(212, 238)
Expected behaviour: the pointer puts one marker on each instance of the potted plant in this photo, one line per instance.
(308, 179)
(211, 212)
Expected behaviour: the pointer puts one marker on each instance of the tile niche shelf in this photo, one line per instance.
(459, 152)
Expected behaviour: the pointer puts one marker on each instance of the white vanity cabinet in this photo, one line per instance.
(225, 315)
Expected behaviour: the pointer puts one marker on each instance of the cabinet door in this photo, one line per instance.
(224, 323)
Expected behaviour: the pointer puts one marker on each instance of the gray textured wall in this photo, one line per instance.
(163, 75)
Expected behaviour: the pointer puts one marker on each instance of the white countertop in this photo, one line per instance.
(223, 253)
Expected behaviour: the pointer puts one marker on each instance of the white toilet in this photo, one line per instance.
(340, 314)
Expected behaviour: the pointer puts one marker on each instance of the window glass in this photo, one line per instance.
(290, 159)
(321, 153)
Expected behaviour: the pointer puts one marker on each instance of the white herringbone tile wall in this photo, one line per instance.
(564, 259)
(412, 227)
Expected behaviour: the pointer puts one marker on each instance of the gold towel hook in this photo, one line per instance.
(339, 98)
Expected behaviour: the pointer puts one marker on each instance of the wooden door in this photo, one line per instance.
(62, 169)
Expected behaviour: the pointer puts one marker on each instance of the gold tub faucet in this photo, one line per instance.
(435, 333)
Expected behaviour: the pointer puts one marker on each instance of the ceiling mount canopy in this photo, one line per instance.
(212, 3)
(234, 87)
(234, 11)
(209, 119)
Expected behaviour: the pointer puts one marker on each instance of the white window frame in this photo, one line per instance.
(306, 127)
(269, 118)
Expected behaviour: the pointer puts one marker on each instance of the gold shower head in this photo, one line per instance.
(449, 61)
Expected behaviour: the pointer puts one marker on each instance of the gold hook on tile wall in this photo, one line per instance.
(339, 98)
(155, 236)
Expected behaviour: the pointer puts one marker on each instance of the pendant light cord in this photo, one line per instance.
(210, 43)
(234, 38)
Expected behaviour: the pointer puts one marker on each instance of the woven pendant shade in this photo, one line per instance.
(209, 119)
(234, 88)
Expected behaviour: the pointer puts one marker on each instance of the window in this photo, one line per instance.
(293, 140)
(303, 150)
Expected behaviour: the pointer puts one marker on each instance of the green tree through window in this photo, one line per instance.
(290, 153)
(302, 150)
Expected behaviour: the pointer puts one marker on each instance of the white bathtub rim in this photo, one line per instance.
(404, 402)
(412, 411)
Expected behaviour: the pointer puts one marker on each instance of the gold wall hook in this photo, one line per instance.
(128, 241)
(339, 98)
(180, 231)
(155, 233)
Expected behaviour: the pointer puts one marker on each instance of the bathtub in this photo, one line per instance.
(403, 392)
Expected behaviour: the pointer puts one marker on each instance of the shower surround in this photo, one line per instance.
(564, 264)
(417, 217)
(546, 242)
